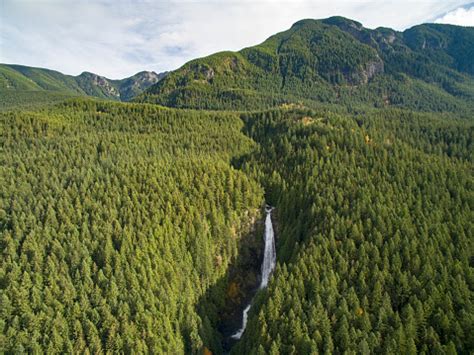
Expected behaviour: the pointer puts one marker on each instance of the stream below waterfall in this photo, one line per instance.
(268, 264)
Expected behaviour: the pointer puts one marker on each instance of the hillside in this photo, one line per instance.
(115, 220)
(375, 239)
(19, 78)
(137, 228)
(336, 60)
(121, 224)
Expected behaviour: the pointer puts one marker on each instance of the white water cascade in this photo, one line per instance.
(238, 334)
(269, 262)
(269, 256)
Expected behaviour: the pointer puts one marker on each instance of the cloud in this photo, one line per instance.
(119, 38)
(68, 37)
(462, 16)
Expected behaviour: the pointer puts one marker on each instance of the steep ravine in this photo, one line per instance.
(220, 308)
(268, 265)
(223, 304)
(226, 304)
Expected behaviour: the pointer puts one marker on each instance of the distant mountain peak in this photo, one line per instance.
(342, 21)
(19, 77)
(335, 60)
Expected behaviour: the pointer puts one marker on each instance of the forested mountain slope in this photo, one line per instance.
(119, 222)
(375, 243)
(115, 220)
(337, 60)
(19, 78)
(134, 228)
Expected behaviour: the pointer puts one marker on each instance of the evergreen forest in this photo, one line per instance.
(136, 227)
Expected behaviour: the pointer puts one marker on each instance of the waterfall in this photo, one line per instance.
(239, 333)
(269, 262)
(269, 256)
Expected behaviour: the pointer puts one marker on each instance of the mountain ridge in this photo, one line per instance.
(15, 77)
(136, 228)
(334, 60)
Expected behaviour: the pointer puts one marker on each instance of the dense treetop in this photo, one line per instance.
(136, 228)
(375, 239)
(115, 220)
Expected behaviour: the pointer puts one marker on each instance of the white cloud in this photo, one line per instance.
(461, 16)
(119, 38)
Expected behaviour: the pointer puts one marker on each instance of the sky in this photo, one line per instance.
(118, 38)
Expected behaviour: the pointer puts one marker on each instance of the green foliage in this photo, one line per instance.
(119, 223)
(19, 78)
(129, 228)
(30, 99)
(374, 244)
(112, 220)
(445, 44)
(334, 60)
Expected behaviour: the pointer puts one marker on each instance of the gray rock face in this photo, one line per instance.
(372, 69)
(209, 74)
(365, 74)
(96, 85)
(124, 89)
(204, 72)
(105, 85)
(391, 38)
(135, 85)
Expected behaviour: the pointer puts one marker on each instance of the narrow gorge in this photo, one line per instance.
(268, 264)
